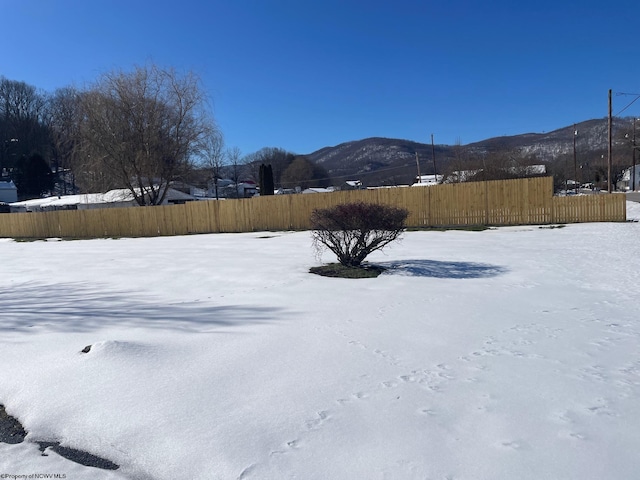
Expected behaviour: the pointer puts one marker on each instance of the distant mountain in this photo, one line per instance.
(387, 161)
(375, 161)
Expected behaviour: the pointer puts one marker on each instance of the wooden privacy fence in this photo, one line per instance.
(502, 202)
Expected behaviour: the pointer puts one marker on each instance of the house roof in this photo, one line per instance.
(121, 195)
(318, 190)
(427, 180)
(7, 185)
(112, 196)
(173, 195)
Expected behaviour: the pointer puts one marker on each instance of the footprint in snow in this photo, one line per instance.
(317, 422)
(247, 471)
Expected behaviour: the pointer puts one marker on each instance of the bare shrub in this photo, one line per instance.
(354, 230)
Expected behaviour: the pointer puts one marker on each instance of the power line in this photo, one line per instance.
(637, 95)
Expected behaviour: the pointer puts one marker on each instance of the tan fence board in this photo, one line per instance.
(507, 202)
(589, 208)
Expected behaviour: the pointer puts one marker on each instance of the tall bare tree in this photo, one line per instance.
(236, 167)
(63, 120)
(141, 130)
(459, 162)
(213, 158)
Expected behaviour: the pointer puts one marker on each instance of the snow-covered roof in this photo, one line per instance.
(8, 185)
(318, 190)
(428, 180)
(121, 195)
(176, 195)
(112, 196)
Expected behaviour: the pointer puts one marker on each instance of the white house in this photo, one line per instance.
(8, 192)
(353, 185)
(627, 183)
(427, 180)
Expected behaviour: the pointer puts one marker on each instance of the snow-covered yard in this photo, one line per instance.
(512, 353)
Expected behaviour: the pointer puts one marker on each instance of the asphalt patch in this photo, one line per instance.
(11, 431)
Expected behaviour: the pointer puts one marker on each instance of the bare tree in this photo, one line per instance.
(213, 156)
(459, 162)
(299, 173)
(63, 120)
(141, 130)
(236, 166)
(278, 158)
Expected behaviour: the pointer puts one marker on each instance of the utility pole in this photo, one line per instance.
(433, 156)
(609, 186)
(3, 152)
(575, 162)
(418, 165)
(633, 146)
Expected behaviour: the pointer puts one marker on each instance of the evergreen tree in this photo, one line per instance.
(266, 180)
(33, 177)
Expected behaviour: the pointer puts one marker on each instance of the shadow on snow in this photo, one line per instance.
(75, 307)
(437, 269)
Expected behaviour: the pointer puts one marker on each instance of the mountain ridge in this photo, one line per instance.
(388, 161)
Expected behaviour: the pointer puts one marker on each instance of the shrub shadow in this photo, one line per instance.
(438, 269)
(76, 307)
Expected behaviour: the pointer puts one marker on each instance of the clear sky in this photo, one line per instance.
(302, 75)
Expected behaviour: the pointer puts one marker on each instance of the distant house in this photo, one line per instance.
(175, 197)
(87, 201)
(246, 189)
(218, 189)
(8, 192)
(352, 185)
(190, 190)
(319, 190)
(285, 191)
(428, 180)
(626, 182)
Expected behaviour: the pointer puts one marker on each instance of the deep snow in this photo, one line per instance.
(511, 353)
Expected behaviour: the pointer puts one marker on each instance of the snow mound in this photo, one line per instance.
(120, 349)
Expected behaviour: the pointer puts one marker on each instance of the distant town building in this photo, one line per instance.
(87, 201)
(427, 180)
(352, 185)
(8, 192)
(628, 177)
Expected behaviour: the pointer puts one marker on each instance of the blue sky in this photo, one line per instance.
(303, 75)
